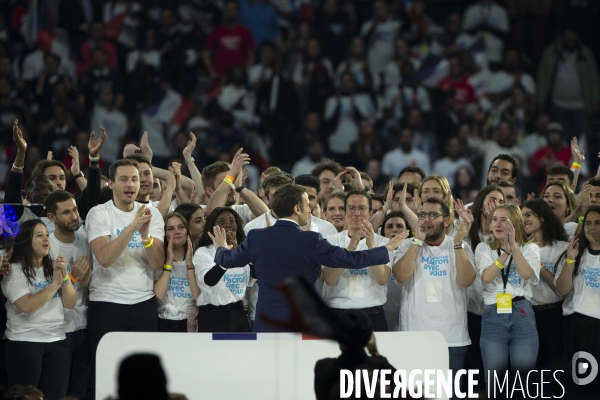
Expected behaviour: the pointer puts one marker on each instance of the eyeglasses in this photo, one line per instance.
(431, 215)
(359, 208)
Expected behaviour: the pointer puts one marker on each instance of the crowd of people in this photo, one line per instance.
(444, 127)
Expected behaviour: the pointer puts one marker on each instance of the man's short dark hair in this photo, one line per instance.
(510, 185)
(559, 169)
(332, 166)
(43, 165)
(140, 158)
(52, 200)
(595, 181)
(377, 197)
(410, 187)
(286, 198)
(510, 159)
(276, 179)
(367, 180)
(357, 192)
(210, 172)
(308, 180)
(112, 170)
(413, 170)
(444, 206)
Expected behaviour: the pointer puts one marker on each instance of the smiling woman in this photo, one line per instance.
(560, 199)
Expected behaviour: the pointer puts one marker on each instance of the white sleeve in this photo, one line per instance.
(15, 286)
(96, 224)
(483, 257)
(528, 83)
(470, 254)
(501, 20)
(531, 252)
(157, 225)
(330, 106)
(400, 251)
(470, 20)
(203, 262)
(382, 241)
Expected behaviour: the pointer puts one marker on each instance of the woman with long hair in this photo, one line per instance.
(37, 290)
(394, 224)
(544, 228)
(220, 307)
(561, 200)
(175, 286)
(196, 218)
(578, 272)
(509, 265)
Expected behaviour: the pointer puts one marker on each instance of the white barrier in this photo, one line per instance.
(270, 367)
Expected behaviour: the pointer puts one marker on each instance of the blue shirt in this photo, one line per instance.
(261, 19)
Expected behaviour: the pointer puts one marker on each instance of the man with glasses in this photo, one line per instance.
(435, 271)
(362, 289)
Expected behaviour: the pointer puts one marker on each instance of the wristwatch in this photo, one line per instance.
(240, 188)
(459, 246)
(79, 175)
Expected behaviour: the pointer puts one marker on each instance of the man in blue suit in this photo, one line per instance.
(284, 250)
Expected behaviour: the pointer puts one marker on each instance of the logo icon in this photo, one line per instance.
(580, 367)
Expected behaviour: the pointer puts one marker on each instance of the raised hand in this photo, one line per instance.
(239, 160)
(177, 169)
(129, 149)
(573, 248)
(389, 198)
(189, 253)
(578, 155)
(337, 181)
(369, 234)
(355, 178)
(145, 146)
(462, 229)
(418, 201)
(510, 233)
(50, 155)
(219, 238)
(170, 257)
(141, 220)
(531, 196)
(420, 232)
(80, 267)
(74, 153)
(94, 146)
(355, 239)
(60, 270)
(189, 148)
(18, 137)
(395, 242)
(231, 238)
(465, 214)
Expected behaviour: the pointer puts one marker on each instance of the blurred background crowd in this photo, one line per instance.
(445, 85)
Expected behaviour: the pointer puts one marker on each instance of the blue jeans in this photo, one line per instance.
(507, 337)
(80, 364)
(457, 361)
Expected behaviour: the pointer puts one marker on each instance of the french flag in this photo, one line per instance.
(166, 111)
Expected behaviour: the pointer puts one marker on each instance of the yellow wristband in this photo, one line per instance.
(149, 243)
(580, 219)
(167, 267)
(576, 166)
(229, 182)
(499, 264)
(65, 279)
(569, 261)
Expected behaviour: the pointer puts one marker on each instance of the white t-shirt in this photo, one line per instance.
(130, 279)
(76, 318)
(116, 123)
(45, 325)
(178, 301)
(584, 298)
(475, 291)
(346, 131)
(381, 43)
(356, 288)
(485, 256)
(232, 286)
(542, 294)
(447, 167)
(432, 300)
(570, 228)
(395, 160)
(243, 211)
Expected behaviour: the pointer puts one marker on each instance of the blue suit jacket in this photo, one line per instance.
(285, 250)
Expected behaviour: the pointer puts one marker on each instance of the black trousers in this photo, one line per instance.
(548, 321)
(105, 317)
(375, 314)
(42, 365)
(229, 318)
(172, 325)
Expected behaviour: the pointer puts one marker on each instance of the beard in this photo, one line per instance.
(69, 227)
(436, 234)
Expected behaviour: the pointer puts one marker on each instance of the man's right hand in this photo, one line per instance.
(141, 221)
(239, 160)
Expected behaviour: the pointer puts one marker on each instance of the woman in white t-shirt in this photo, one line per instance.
(175, 286)
(578, 277)
(508, 265)
(544, 228)
(393, 224)
(37, 289)
(561, 200)
(220, 306)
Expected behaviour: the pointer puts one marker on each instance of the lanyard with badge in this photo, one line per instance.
(504, 300)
